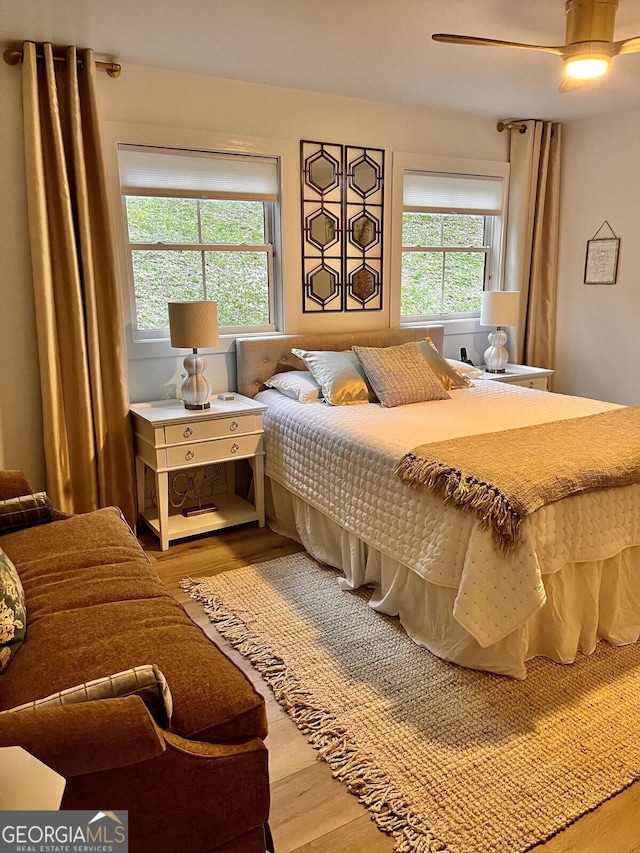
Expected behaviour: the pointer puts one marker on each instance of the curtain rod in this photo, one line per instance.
(511, 125)
(13, 57)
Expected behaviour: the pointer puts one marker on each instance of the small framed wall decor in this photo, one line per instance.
(601, 264)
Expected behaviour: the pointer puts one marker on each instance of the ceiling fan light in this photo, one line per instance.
(587, 67)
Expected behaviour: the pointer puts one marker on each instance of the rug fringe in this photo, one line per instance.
(363, 779)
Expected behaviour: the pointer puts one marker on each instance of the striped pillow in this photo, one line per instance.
(25, 511)
(145, 681)
(400, 375)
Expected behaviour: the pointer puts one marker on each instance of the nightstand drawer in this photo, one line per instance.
(540, 384)
(215, 428)
(212, 451)
(524, 375)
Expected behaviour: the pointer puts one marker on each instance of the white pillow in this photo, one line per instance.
(298, 384)
(465, 369)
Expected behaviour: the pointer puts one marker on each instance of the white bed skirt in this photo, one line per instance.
(586, 602)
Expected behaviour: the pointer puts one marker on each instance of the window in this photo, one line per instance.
(200, 225)
(450, 244)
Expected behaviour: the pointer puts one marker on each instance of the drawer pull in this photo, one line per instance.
(188, 432)
(235, 448)
(234, 426)
(189, 455)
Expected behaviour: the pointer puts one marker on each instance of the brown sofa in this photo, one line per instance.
(95, 607)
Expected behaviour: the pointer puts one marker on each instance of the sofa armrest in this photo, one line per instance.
(77, 739)
(195, 796)
(208, 750)
(13, 484)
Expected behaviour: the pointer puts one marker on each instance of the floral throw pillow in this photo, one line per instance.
(13, 615)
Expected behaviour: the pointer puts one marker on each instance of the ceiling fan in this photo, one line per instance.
(589, 46)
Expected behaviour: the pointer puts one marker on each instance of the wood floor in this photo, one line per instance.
(310, 811)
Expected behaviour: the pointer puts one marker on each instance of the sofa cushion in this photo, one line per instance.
(96, 606)
(13, 617)
(85, 560)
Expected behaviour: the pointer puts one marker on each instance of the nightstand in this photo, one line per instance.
(171, 440)
(520, 374)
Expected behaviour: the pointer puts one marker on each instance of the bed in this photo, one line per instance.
(331, 484)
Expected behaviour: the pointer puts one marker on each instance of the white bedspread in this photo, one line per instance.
(341, 460)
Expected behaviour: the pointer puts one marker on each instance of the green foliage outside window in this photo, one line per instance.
(237, 280)
(247, 304)
(442, 282)
(161, 277)
(433, 282)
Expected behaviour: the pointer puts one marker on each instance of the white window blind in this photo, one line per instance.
(432, 192)
(196, 174)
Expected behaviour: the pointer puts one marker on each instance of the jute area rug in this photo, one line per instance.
(446, 759)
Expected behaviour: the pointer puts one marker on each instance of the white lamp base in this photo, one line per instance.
(496, 356)
(195, 387)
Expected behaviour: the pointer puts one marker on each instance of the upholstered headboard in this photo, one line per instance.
(257, 359)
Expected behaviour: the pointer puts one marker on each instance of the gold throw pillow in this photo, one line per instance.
(340, 375)
(447, 374)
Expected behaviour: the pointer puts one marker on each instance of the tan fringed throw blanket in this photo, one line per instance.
(504, 477)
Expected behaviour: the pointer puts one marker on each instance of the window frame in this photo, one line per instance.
(117, 133)
(269, 214)
(495, 228)
(269, 217)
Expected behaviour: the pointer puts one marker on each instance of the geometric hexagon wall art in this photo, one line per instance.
(322, 226)
(321, 287)
(342, 227)
(364, 212)
(322, 229)
(364, 230)
(363, 283)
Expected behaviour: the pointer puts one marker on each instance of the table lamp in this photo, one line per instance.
(194, 325)
(499, 308)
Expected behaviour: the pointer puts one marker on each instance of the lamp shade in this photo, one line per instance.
(193, 324)
(500, 308)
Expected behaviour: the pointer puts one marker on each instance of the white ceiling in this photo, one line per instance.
(375, 49)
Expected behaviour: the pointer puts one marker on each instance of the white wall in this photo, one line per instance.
(598, 341)
(160, 98)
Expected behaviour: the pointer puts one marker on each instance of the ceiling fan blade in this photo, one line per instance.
(571, 83)
(627, 46)
(450, 38)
